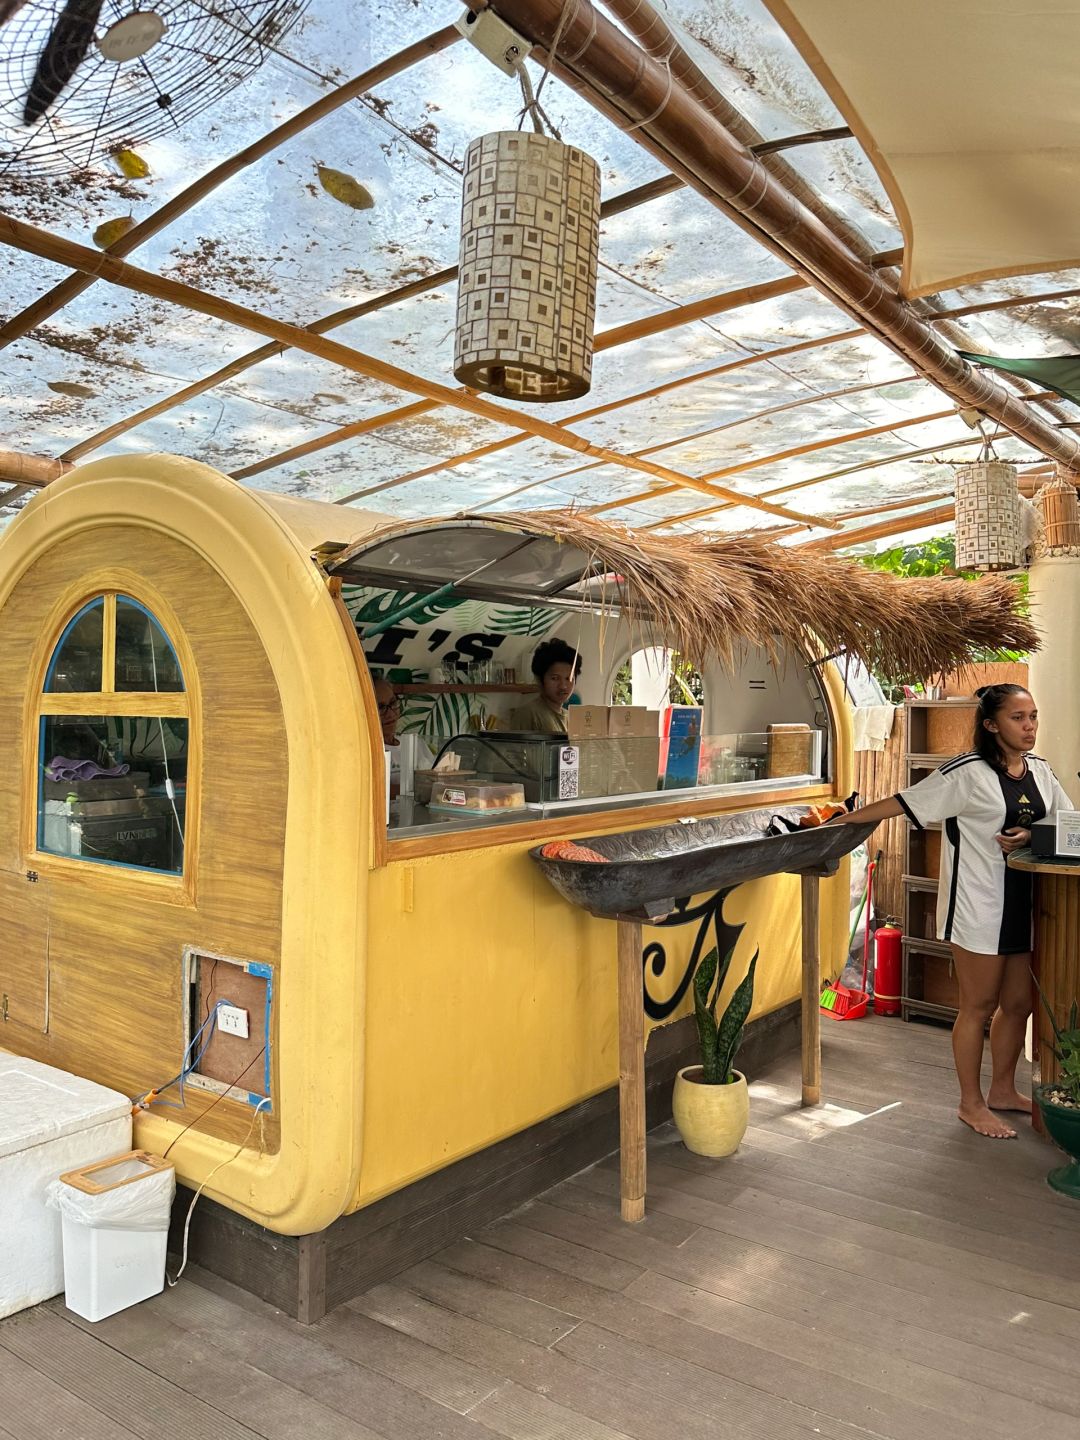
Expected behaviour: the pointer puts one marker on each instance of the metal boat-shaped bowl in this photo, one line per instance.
(649, 870)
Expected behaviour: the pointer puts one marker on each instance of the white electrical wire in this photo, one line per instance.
(175, 1280)
(170, 788)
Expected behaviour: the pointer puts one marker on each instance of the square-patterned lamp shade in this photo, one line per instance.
(530, 237)
(989, 530)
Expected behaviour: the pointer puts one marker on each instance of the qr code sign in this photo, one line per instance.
(1072, 842)
(568, 772)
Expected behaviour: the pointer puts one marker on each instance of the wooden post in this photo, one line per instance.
(811, 993)
(631, 1073)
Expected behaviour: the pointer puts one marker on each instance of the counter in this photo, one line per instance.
(409, 820)
(1056, 959)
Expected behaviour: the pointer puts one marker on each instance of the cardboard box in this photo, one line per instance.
(634, 721)
(594, 764)
(790, 750)
(586, 721)
(635, 763)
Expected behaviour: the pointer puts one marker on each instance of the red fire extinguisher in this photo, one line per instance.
(887, 969)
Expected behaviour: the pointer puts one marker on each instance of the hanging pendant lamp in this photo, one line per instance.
(530, 237)
(1059, 509)
(989, 529)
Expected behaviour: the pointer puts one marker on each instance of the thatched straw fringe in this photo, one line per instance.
(713, 596)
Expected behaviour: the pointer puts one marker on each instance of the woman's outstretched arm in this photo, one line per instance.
(875, 813)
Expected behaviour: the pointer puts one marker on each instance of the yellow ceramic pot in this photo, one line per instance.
(711, 1119)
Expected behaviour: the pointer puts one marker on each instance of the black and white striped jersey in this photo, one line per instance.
(983, 905)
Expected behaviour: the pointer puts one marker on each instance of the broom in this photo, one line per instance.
(841, 1002)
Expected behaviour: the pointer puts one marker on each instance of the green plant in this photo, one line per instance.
(1066, 1051)
(720, 1040)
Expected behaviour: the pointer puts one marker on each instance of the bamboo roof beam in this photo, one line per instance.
(938, 516)
(616, 205)
(619, 77)
(654, 392)
(807, 483)
(795, 451)
(346, 432)
(28, 471)
(74, 284)
(118, 272)
(657, 39)
(606, 340)
(863, 512)
(814, 398)
(630, 199)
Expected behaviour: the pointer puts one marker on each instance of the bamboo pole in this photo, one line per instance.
(618, 76)
(631, 1072)
(347, 432)
(811, 992)
(32, 471)
(796, 450)
(617, 205)
(940, 515)
(653, 393)
(78, 257)
(686, 439)
(74, 285)
(866, 512)
(606, 340)
(656, 37)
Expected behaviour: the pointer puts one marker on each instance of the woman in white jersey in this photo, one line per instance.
(987, 802)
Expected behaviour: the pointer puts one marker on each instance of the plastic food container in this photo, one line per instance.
(476, 797)
(424, 780)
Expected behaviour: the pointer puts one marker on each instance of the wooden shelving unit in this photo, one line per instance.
(934, 731)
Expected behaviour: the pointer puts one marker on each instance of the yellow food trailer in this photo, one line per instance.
(411, 1023)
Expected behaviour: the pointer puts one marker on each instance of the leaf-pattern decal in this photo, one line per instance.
(366, 605)
(520, 620)
(435, 717)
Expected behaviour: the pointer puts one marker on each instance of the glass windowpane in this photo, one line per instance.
(113, 789)
(76, 661)
(144, 658)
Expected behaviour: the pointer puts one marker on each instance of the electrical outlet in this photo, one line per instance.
(233, 1021)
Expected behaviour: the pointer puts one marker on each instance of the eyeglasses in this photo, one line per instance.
(389, 706)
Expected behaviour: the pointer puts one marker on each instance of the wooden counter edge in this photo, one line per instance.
(1027, 860)
(594, 822)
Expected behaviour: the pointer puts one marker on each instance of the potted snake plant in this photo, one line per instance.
(711, 1104)
(1059, 1101)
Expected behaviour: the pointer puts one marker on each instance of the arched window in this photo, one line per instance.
(113, 741)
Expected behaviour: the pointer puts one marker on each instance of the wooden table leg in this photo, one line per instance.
(811, 993)
(631, 1073)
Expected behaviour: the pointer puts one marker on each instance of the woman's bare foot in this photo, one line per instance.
(1008, 1098)
(984, 1122)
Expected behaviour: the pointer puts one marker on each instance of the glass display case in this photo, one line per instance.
(556, 774)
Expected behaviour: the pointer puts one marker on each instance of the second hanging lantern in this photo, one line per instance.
(530, 237)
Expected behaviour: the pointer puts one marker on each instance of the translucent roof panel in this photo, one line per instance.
(730, 393)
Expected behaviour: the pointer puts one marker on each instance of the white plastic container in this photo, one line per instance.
(116, 1223)
(50, 1121)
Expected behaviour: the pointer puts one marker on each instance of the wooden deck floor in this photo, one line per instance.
(868, 1268)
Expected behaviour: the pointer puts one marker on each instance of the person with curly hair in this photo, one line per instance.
(556, 666)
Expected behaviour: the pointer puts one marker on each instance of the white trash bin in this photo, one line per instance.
(116, 1224)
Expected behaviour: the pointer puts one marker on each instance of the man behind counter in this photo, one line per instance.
(389, 703)
(556, 666)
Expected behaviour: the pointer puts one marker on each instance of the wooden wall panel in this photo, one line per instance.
(877, 775)
(117, 936)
